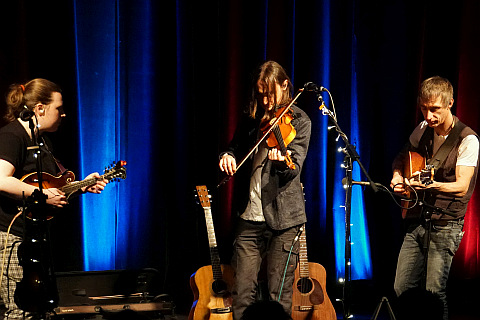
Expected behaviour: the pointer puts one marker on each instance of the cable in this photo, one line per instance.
(414, 199)
(333, 104)
(300, 231)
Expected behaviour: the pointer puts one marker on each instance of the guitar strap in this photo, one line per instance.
(440, 156)
(59, 165)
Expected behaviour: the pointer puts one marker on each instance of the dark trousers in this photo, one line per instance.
(444, 242)
(255, 241)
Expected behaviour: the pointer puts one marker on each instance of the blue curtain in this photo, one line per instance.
(115, 51)
(114, 76)
(161, 84)
(97, 116)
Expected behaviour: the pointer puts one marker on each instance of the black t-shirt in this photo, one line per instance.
(14, 142)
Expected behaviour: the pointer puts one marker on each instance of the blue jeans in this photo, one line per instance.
(444, 242)
(255, 241)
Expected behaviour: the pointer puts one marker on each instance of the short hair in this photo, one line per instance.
(434, 87)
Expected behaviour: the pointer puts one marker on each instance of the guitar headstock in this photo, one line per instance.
(116, 171)
(203, 196)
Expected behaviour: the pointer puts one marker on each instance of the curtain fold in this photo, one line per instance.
(162, 85)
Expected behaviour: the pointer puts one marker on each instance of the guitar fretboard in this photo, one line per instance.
(212, 242)
(302, 256)
(210, 229)
(76, 185)
(113, 173)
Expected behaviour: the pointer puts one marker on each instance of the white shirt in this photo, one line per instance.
(254, 211)
(467, 151)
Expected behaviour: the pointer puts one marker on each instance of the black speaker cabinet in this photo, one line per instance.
(113, 294)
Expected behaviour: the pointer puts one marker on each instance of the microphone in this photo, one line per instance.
(26, 114)
(361, 183)
(310, 86)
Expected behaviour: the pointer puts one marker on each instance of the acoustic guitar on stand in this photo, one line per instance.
(310, 300)
(415, 167)
(211, 285)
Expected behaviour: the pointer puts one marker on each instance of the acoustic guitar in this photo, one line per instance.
(415, 167)
(211, 285)
(310, 300)
(66, 182)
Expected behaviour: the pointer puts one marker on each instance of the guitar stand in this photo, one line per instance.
(389, 308)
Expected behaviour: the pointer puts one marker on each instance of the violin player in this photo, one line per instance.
(269, 203)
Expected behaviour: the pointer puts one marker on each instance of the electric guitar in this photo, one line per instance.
(415, 167)
(211, 285)
(310, 300)
(66, 182)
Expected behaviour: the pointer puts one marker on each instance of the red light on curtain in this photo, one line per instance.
(466, 263)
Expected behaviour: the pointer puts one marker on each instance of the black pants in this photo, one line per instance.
(255, 241)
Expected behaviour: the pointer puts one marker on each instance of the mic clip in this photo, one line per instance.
(26, 114)
(310, 86)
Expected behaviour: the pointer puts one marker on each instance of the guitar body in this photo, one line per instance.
(310, 300)
(414, 163)
(212, 299)
(66, 182)
(50, 181)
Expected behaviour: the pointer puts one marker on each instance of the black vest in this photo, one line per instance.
(446, 173)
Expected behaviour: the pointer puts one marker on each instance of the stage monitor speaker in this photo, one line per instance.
(106, 293)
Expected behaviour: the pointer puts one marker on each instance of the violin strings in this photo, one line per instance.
(281, 143)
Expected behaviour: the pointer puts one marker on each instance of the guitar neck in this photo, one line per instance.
(302, 256)
(77, 185)
(214, 255)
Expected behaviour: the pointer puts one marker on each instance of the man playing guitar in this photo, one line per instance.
(452, 148)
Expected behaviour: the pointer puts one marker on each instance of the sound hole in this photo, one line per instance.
(219, 287)
(304, 285)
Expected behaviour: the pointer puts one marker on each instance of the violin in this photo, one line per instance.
(268, 129)
(282, 133)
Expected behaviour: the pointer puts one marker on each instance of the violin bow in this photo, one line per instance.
(299, 92)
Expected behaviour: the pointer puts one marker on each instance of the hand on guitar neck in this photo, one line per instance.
(58, 189)
(57, 198)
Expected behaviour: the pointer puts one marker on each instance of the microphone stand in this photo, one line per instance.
(351, 156)
(427, 212)
(37, 291)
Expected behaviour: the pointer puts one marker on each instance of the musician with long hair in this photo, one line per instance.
(270, 206)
